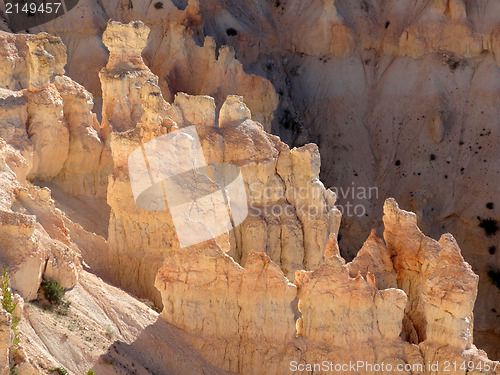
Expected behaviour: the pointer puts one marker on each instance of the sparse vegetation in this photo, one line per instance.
(63, 308)
(53, 291)
(90, 372)
(109, 332)
(59, 370)
(453, 62)
(9, 305)
(490, 226)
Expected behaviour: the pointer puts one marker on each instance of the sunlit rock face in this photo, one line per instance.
(34, 240)
(282, 185)
(410, 301)
(275, 290)
(400, 96)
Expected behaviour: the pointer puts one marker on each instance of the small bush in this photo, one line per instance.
(90, 372)
(109, 332)
(59, 370)
(8, 305)
(53, 291)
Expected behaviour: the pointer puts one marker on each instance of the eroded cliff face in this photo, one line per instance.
(396, 303)
(281, 184)
(35, 242)
(401, 96)
(422, 315)
(271, 292)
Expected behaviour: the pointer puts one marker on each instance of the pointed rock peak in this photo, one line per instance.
(394, 216)
(233, 112)
(374, 238)
(332, 251)
(259, 264)
(450, 252)
(370, 279)
(359, 280)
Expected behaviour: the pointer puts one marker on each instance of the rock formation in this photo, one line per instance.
(228, 302)
(35, 242)
(269, 295)
(282, 184)
(6, 338)
(240, 325)
(399, 96)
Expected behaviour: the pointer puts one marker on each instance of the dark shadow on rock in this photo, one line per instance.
(161, 349)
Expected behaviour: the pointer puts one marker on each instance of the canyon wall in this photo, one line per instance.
(405, 300)
(400, 96)
(416, 309)
(35, 241)
(281, 185)
(276, 286)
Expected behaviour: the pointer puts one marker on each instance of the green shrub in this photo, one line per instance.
(109, 332)
(59, 370)
(8, 305)
(53, 291)
(90, 372)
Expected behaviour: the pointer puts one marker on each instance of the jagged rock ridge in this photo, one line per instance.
(431, 309)
(401, 95)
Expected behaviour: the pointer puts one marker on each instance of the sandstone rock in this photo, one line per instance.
(439, 304)
(84, 170)
(234, 312)
(121, 108)
(46, 126)
(196, 110)
(330, 35)
(14, 75)
(337, 311)
(240, 141)
(441, 315)
(366, 111)
(195, 70)
(46, 59)
(13, 117)
(233, 112)
(27, 262)
(374, 258)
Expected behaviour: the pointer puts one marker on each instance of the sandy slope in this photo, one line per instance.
(109, 331)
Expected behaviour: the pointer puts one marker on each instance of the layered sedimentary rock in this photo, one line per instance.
(35, 241)
(6, 339)
(401, 96)
(422, 316)
(282, 185)
(406, 299)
